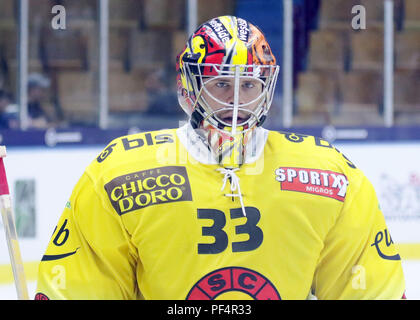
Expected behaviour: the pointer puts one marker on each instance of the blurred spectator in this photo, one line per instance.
(8, 114)
(37, 92)
(161, 99)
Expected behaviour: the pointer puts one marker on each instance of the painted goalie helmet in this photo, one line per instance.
(226, 77)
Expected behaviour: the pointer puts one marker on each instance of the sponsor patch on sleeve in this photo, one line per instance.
(141, 189)
(314, 181)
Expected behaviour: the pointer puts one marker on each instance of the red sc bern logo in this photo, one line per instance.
(233, 282)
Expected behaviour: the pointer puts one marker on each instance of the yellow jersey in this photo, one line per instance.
(154, 217)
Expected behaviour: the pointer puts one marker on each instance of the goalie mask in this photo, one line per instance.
(226, 79)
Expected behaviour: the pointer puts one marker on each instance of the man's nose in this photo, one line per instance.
(231, 98)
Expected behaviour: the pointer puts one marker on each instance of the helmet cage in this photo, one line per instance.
(197, 75)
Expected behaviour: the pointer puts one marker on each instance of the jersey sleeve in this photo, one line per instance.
(89, 255)
(359, 259)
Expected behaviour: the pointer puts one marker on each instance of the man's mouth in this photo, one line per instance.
(229, 119)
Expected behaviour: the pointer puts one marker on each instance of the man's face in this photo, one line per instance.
(223, 89)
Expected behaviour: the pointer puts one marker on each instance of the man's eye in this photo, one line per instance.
(248, 85)
(222, 84)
